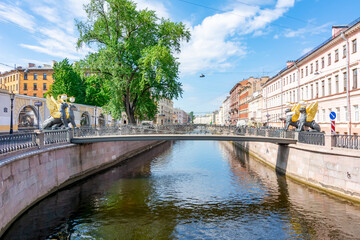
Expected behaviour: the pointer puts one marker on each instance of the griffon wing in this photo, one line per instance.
(296, 111)
(311, 111)
(53, 106)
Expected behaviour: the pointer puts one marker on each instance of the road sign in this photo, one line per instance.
(332, 127)
(38, 104)
(332, 115)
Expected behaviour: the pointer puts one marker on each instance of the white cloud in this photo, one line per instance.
(158, 7)
(13, 14)
(214, 41)
(306, 50)
(302, 32)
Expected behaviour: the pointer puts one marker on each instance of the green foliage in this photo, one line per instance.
(134, 55)
(96, 93)
(192, 116)
(68, 81)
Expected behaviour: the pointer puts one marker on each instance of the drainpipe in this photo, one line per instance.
(347, 82)
(282, 103)
(298, 80)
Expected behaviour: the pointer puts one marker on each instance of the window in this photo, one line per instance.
(44, 76)
(346, 114)
(356, 113)
(338, 112)
(35, 86)
(44, 86)
(302, 93)
(34, 94)
(302, 73)
(311, 68)
(311, 91)
(316, 90)
(344, 51)
(322, 62)
(355, 86)
(329, 86)
(345, 81)
(35, 76)
(354, 47)
(306, 92)
(324, 115)
(337, 84)
(336, 55)
(25, 86)
(25, 76)
(316, 66)
(329, 59)
(294, 77)
(323, 88)
(306, 71)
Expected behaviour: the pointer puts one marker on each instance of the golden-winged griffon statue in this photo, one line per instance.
(60, 111)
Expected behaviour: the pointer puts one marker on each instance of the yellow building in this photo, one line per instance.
(32, 81)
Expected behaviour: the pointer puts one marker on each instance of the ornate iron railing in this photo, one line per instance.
(312, 138)
(347, 141)
(56, 136)
(14, 142)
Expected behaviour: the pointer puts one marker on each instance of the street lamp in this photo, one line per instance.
(12, 96)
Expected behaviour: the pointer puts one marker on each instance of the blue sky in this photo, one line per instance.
(231, 40)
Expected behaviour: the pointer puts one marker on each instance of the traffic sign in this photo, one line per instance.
(332, 115)
(38, 104)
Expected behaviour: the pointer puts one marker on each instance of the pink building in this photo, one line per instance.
(327, 74)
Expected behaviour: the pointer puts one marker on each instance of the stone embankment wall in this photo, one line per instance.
(28, 178)
(333, 170)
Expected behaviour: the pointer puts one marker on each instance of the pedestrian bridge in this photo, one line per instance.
(181, 132)
(191, 137)
(191, 132)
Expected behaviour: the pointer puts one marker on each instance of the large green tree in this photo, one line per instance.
(134, 54)
(67, 80)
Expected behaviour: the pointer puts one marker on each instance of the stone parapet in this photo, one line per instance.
(331, 169)
(29, 177)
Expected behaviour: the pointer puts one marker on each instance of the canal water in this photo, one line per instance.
(189, 190)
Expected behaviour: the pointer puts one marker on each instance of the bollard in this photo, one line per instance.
(69, 135)
(40, 137)
(329, 141)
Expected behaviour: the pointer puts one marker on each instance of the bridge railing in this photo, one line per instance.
(347, 141)
(14, 142)
(312, 138)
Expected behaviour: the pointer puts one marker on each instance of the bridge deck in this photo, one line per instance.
(191, 137)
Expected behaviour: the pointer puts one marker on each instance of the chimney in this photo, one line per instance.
(53, 63)
(31, 65)
(289, 63)
(336, 30)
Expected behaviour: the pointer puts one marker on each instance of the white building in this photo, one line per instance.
(328, 74)
(256, 109)
(205, 119)
(226, 110)
(165, 112)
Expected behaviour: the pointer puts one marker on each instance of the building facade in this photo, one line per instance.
(165, 112)
(180, 116)
(328, 74)
(32, 81)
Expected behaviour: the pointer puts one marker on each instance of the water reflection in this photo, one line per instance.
(189, 190)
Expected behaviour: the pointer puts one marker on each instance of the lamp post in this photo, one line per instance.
(12, 96)
(38, 104)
